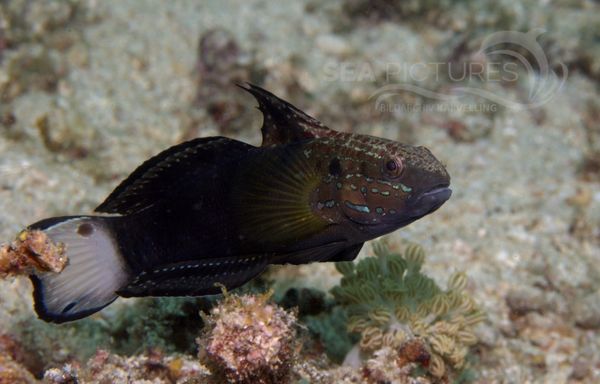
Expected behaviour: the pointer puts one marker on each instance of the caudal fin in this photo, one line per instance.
(94, 272)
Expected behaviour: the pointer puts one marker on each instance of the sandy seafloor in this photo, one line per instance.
(118, 81)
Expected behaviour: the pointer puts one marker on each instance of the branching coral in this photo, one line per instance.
(249, 340)
(389, 302)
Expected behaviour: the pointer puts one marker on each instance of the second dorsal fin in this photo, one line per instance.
(162, 176)
(283, 123)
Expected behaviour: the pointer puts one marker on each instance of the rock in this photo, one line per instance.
(586, 311)
(333, 45)
(249, 340)
(525, 300)
(14, 373)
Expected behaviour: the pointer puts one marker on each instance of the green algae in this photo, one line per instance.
(168, 324)
(330, 328)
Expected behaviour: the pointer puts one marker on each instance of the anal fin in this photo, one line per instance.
(196, 277)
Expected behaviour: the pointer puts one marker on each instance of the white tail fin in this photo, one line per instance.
(94, 272)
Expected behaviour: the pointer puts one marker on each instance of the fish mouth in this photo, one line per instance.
(417, 206)
(428, 202)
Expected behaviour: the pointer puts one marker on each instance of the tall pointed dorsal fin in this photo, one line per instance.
(283, 123)
(162, 176)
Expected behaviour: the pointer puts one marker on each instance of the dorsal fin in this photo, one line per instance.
(163, 175)
(282, 122)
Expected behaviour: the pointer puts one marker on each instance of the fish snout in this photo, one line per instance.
(424, 203)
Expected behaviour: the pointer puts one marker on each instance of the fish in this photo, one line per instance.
(215, 212)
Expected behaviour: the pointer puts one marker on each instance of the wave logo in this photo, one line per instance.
(526, 58)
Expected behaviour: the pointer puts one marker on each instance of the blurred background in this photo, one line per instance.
(90, 89)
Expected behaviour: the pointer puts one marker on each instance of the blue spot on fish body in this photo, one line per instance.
(357, 207)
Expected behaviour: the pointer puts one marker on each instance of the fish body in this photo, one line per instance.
(216, 211)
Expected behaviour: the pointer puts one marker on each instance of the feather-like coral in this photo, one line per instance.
(389, 301)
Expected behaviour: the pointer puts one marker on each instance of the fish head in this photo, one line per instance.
(382, 185)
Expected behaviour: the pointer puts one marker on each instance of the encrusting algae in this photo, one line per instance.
(150, 367)
(12, 367)
(31, 251)
(249, 340)
(12, 372)
(390, 303)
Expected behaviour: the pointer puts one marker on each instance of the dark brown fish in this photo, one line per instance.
(216, 210)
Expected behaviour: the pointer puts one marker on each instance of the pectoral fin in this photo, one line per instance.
(272, 198)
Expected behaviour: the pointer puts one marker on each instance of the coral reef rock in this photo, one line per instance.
(151, 367)
(12, 372)
(32, 250)
(249, 340)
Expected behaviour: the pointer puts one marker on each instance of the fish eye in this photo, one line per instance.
(393, 167)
